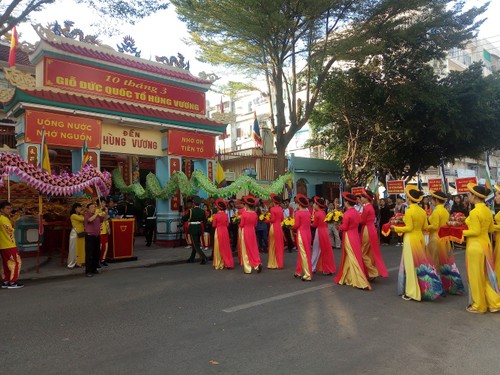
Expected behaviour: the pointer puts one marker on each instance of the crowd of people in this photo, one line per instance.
(88, 237)
(314, 227)
(249, 226)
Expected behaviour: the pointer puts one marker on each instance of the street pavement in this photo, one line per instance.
(170, 317)
(51, 266)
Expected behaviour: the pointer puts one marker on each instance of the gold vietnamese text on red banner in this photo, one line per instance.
(461, 184)
(71, 76)
(357, 190)
(192, 145)
(435, 184)
(396, 187)
(62, 130)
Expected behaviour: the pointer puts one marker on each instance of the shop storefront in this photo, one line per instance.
(132, 114)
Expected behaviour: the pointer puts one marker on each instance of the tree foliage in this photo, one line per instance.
(18, 11)
(294, 43)
(373, 123)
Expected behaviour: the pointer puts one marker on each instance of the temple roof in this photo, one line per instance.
(106, 54)
(21, 56)
(96, 106)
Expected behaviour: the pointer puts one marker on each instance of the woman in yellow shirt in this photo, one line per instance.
(418, 278)
(76, 252)
(440, 248)
(496, 250)
(484, 292)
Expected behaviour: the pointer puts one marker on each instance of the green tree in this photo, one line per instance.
(294, 43)
(401, 126)
(18, 11)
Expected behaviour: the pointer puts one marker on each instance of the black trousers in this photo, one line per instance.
(289, 239)
(262, 240)
(233, 234)
(92, 252)
(196, 233)
(149, 230)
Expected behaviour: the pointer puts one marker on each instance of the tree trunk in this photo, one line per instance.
(281, 134)
(282, 161)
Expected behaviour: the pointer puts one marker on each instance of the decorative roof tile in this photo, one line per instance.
(90, 51)
(93, 103)
(21, 56)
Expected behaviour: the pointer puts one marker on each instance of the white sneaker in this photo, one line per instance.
(14, 286)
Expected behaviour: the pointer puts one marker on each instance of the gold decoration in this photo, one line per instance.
(224, 118)
(45, 33)
(26, 47)
(6, 95)
(19, 79)
(211, 77)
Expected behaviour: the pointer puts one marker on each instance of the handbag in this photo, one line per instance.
(81, 234)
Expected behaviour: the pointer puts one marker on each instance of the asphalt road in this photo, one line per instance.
(190, 319)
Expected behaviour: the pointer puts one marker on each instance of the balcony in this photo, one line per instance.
(250, 158)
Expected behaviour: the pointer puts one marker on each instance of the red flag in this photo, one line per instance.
(13, 46)
(256, 131)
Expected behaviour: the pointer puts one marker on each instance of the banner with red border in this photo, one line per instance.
(192, 145)
(72, 76)
(395, 187)
(357, 190)
(61, 129)
(461, 184)
(435, 184)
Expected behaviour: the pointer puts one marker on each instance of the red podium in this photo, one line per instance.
(121, 241)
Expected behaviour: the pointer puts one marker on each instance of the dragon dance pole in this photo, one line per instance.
(40, 230)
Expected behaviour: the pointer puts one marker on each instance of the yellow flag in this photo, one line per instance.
(220, 176)
(45, 161)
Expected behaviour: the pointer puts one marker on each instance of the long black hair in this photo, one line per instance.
(74, 207)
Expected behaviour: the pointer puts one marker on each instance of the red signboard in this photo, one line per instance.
(435, 184)
(187, 167)
(124, 166)
(33, 155)
(395, 187)
(72, 76)
(62, 130)
(462, 184)
(210, 171)
(357, 190)
(175, 201)
(192, 145)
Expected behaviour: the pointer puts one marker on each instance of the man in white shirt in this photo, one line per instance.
(381, 190)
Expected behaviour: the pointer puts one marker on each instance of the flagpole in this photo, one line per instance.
(8, 188)
(443, 177)
(40, 231)
(98, 194)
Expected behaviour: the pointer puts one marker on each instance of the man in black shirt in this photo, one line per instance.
(196, 216)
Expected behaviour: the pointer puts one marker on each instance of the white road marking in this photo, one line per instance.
(293, 294)
(277, 298)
